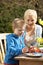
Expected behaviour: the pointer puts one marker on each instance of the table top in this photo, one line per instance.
(23, 57)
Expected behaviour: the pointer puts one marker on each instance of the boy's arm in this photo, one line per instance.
(12, 49)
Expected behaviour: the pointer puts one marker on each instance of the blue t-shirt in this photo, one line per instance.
(14, 46)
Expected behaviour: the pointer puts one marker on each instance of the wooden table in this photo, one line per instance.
(23, 60)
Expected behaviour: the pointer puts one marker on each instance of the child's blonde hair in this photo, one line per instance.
(31, 12)
(17, 23)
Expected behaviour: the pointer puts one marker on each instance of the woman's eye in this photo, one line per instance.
(32, 20)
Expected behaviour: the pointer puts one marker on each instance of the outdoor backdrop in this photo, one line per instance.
(10, 9)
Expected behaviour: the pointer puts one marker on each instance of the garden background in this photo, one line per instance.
(10, 9)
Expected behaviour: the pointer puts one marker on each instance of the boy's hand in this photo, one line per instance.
(24, 50)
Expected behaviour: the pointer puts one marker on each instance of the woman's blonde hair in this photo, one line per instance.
(17, 23)
(30, 12)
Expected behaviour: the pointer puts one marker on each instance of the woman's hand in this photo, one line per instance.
(29, 41)
(32, 32)
(24, 50)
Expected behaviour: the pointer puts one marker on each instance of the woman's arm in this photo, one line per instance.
(39, 31)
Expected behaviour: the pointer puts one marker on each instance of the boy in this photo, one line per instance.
(33, 31)
(14, 43)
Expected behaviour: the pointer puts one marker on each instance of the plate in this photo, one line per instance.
(33, 54)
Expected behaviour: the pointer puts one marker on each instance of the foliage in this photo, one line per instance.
(10, 9)
(41, 22)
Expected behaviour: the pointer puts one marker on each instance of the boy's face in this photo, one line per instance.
(19, 31)
(18, 28)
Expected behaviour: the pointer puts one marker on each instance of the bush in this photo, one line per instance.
(10, 9)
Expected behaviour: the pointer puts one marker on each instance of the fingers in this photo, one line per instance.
(24, 50)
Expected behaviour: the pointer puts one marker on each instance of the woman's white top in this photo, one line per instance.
(38, 33)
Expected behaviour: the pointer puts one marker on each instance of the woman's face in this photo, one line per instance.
(30, 20)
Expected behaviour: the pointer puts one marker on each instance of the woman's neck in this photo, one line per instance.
(30, 28)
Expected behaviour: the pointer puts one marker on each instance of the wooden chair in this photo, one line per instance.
(1, 60)
(2, 46)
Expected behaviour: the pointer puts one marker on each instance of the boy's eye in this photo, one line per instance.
(28, 20)
(20, 30)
